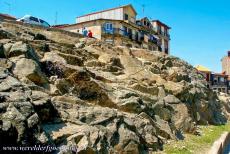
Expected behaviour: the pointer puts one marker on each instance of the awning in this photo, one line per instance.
(202, 68)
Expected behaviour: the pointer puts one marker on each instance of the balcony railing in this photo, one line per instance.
(153, 39)
(138, 38)
(219, 83)
(161, 32)
(164, 34)
(111, 31)
(119, 32)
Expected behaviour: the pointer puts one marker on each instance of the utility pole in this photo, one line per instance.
(143, 8)
(9, 5)
(56, 18)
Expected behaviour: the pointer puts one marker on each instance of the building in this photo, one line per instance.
(219, 82)
(229, 84)
(216, 81)
(163, 33)
(226, 67)
(119, 26)
(125, 13)
(226, 64)
(6, 17)
(150, 40)
(204, 71)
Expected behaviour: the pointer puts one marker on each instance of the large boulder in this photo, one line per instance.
(29, 69)
(171, 99)
(17, 49)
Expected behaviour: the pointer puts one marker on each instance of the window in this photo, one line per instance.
(166, 31)
(125, 30)
(34, 19)
(159, 29)
(126, 17)
(132, 19)
(144, 22)
(109, 26)
(44, 23)
(148, 24)
(138, 23)
(221, 79)
(130, 31)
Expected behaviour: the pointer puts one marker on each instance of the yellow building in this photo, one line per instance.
(204, 71)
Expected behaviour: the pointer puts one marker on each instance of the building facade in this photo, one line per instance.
(119, 26)
(126, 13)
(226, 67)
(219, 82)
(163, 33)
(216, 81)
(226, 64)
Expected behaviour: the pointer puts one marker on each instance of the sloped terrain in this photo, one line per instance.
(62, 90)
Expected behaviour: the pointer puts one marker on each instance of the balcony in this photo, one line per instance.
(118, 31)
(159, 48)
(221, 84)
(110, 31)
(166, 50)
(153, 41)
(158, 31)
(134, 37)
(164, 34)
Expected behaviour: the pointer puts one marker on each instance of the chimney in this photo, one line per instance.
(228, 53)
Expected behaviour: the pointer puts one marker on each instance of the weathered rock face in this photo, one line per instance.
(19, 123)
(95, 97)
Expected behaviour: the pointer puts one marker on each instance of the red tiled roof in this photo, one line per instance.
(110, 10)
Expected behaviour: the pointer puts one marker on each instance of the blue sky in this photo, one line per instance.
(200, 28)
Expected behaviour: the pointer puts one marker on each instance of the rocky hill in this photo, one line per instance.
(62, 90)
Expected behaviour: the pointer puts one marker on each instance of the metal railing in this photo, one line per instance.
(219, 83)
(161, 32)
(119, 31)
(111, 31)
(134, 37)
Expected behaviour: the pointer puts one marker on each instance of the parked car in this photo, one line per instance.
(33, 20)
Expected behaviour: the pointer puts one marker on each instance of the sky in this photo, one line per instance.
(200, 31)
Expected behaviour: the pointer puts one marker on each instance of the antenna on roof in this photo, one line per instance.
(56, 18)
(143, 8)
(9, 5)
